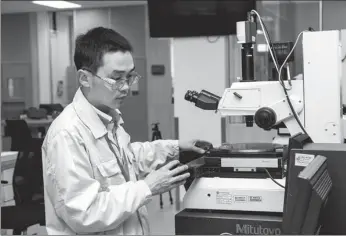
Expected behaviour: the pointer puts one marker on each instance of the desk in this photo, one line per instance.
(33, 124)
(39, 122)
(8, 160)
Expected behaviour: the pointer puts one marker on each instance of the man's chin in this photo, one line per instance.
(117, 103)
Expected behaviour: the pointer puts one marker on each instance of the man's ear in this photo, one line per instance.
(83, 79)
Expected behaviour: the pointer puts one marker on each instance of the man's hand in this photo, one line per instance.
(198, 146)
(167, 177)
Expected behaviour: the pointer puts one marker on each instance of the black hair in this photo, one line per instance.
(91, 46)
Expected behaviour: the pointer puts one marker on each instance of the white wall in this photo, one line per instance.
(34, 59)
(160, 107)
(52, 57)
(86, 19)
(198, 64)
(60, 56)
(44, 74)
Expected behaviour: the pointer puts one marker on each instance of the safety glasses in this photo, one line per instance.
(116, 83)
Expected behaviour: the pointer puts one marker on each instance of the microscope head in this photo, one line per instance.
(204, 100)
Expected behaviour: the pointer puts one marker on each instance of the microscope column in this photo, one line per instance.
(247, 61)
(246, 36)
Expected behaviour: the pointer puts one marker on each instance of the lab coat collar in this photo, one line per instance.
(114, 116)
(105, 118)
(88, 115)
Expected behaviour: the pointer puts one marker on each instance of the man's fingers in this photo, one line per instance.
(171, 164)
(178, 184)
(179, 169)
(180, 178)
(173, 186)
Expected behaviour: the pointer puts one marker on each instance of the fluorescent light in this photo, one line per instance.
(57, 4)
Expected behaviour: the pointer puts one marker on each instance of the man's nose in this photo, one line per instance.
(126, 87)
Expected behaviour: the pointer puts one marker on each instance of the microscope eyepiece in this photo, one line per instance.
(191, 96)
(204, 100)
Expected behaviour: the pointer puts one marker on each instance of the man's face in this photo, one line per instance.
(116, 66)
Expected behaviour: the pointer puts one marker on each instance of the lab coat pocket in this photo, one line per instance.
(111, 173)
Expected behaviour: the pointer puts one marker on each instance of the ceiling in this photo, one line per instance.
(11, 6)
(277, 2)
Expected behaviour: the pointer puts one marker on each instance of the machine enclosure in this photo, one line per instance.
(196, 222)
(204, 223)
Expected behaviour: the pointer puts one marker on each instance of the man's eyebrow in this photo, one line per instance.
(123, 71)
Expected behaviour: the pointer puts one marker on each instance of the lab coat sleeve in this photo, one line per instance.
(78, 198)
(151, 155)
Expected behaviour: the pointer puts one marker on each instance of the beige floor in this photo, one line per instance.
(161, 220)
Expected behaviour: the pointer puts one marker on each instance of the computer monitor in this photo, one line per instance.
(305, 203)
(52, 107)
(194, 18)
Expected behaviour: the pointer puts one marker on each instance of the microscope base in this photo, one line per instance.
(193, 222)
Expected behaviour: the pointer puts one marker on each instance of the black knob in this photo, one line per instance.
(249, 121)
(265, 118)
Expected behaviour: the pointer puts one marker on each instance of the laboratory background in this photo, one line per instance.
(197, 83)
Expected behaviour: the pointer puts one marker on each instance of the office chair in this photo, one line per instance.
(28, 193)
(20, 135)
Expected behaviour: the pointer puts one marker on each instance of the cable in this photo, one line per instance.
(270, 176)
(294, 46)
(269, 43)
(266, 36)
(285, 90)
(343, 59)
(274, 52)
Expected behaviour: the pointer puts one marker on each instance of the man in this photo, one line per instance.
(96, 181)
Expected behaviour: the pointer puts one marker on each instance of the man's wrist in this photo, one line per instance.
(145, 187)
(146, 191)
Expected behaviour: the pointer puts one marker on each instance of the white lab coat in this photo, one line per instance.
(85, 190)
